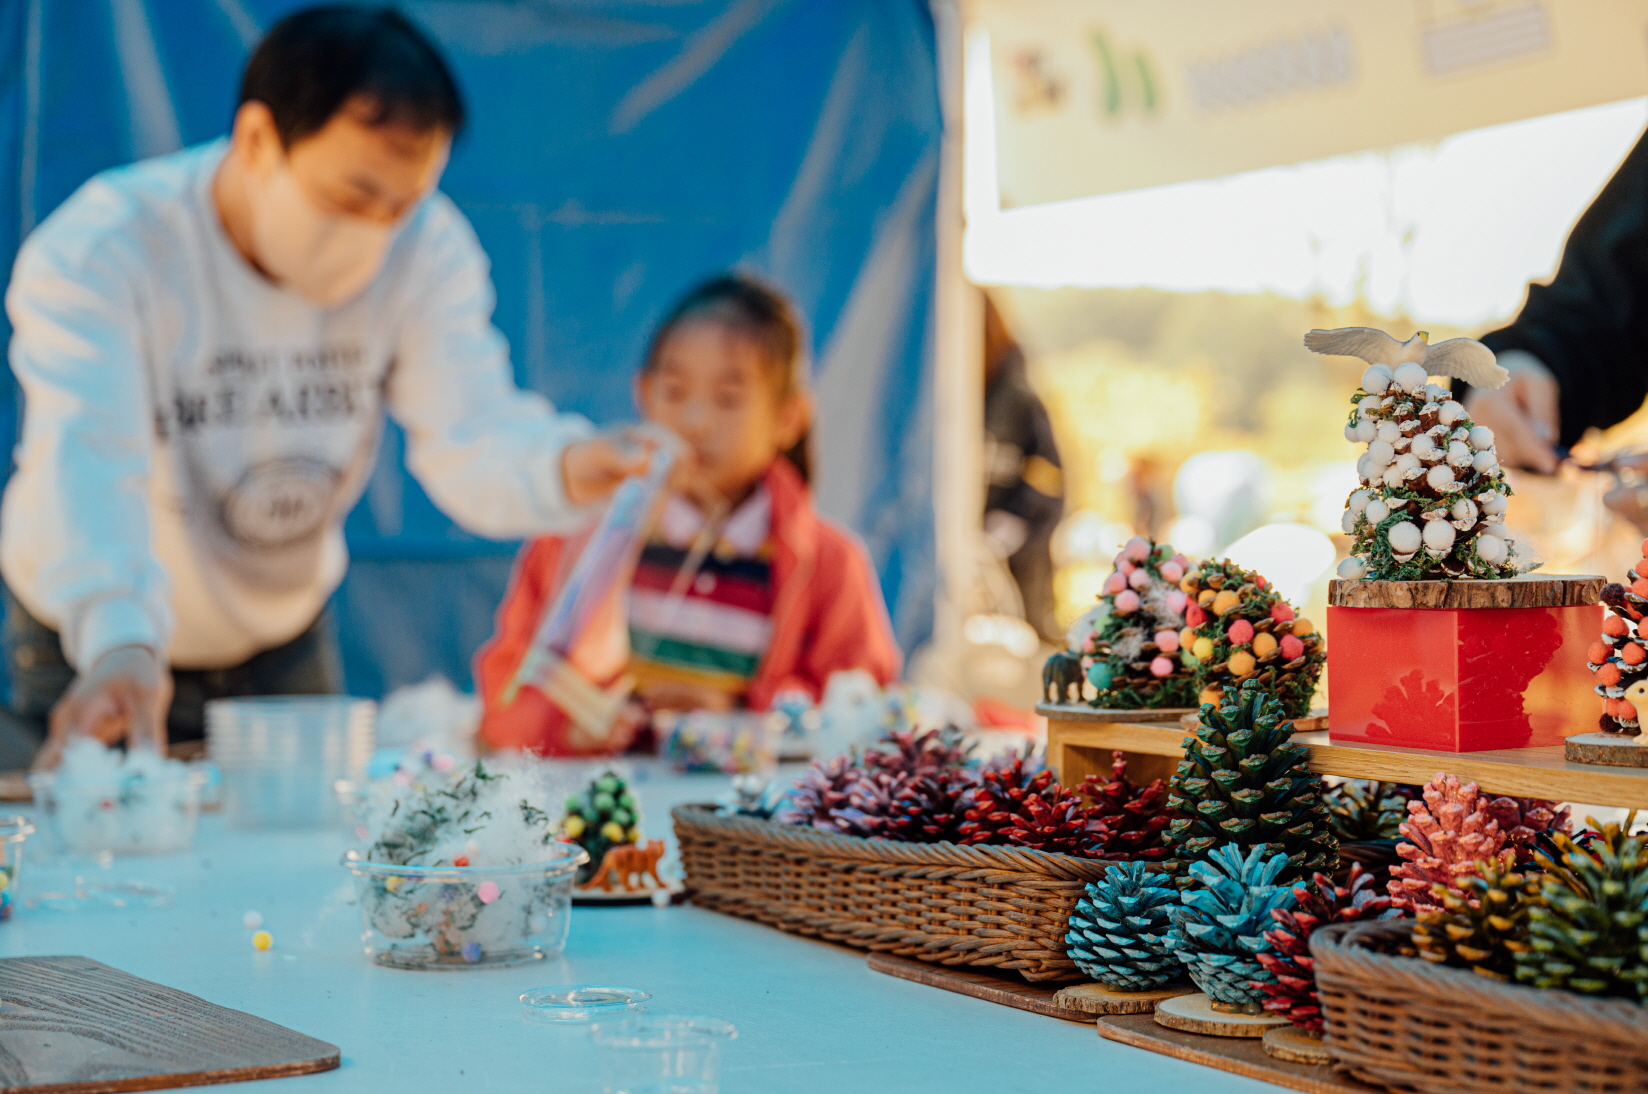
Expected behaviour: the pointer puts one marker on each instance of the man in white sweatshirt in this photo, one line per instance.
(207, 343)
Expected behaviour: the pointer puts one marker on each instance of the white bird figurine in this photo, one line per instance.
(1462, 358)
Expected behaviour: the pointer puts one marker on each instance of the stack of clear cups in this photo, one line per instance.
(282, 757)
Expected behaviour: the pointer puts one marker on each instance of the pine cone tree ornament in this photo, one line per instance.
(1133, 655)
(1218, 929)
(1449, 835)
(1022, 805)
(1132, 819)
(1620, 655)
(604, 815)
(1433, 496)
(1239, 629)
(1584, 931)
(1243, 782)
(1118, 931)
(1482, 925)
(1291, 993)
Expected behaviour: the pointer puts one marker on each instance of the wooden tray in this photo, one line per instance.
(1008, 989)
(71, 1025)
(1239, 1055)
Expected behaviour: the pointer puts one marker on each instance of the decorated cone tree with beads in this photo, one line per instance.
(1118, 931)
(1482, 925)
(1132, 652)
(1239, 629)
(1218, 929)
(1433, 496)
(1291, 990)
(1244, 782)
(1449, 835)
(1619, 656)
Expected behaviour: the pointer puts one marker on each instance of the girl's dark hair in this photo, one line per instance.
(314, 61)
(760, 313)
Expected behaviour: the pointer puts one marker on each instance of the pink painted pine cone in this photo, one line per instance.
(1448, 836)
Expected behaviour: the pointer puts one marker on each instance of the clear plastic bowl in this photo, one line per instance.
(13, 831)
(668, 1053)
(465, 917)
(282, 756)
(134, 816)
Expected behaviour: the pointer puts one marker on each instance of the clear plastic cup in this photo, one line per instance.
(663, 1054)
(13, 831)
(282, 756)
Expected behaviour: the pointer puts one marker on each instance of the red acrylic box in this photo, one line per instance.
(1461, 666)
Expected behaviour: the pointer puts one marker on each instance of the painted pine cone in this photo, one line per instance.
(1218, 929)
(1118, 931)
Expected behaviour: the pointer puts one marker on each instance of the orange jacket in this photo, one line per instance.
(828, 616)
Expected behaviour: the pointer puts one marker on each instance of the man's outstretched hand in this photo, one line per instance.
(1522, 414)
(123, 696)
(592, 469)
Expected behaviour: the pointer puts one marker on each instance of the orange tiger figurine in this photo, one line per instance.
(625, 861)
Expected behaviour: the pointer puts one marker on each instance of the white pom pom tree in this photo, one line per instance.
(1433, 496)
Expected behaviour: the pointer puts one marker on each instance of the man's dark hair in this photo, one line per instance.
(314, 61)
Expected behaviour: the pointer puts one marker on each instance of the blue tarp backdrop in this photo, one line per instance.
(619, 150)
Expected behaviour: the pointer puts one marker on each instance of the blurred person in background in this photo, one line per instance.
(1024, 484)
(1578, 351)
(207, 343)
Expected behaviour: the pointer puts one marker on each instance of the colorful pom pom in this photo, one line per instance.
(1240, 633)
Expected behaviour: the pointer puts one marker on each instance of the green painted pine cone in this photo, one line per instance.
(1585, 930)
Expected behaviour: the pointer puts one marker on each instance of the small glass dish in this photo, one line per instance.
(13, 831)
(668, 1053)
(581, 1003)
(466, 917)
(140, 815)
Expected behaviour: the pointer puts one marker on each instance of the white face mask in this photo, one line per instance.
(326, 257)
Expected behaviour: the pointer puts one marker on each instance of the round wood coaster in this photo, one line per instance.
(1195, 1014)
(1103, 999)
(1296, 1046)
(1611, 749)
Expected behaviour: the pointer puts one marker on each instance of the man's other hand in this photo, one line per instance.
(123, 696)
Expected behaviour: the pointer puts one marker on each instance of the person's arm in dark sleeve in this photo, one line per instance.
(1589, 326)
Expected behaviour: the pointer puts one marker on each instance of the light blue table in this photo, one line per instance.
(810, 1016)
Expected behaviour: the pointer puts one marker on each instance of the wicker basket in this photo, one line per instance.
(1405, 1023)
(1000, 907)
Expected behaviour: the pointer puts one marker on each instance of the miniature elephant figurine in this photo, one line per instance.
(1061, 678)
(626, 861)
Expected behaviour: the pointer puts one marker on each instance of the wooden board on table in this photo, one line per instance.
(1084, 713)
(1009, 988)
(1240, 1056)
(1527, 591)
(71, 1025)
(1076, 749)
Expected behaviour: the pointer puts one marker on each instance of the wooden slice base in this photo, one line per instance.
(1195, 1014)
(1608, 749)
(1103, 999)
(1527, 591)
(1007, 988)
(1239, 1056)
(1310, 723)
(1296, 1046)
